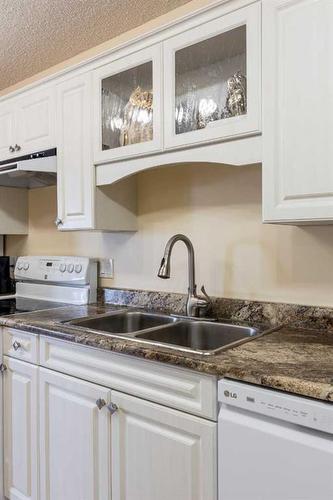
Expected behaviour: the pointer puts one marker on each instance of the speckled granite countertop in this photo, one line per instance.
(295, 360)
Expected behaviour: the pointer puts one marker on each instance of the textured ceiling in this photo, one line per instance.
(36, 34)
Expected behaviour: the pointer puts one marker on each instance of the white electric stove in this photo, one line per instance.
(44, 282)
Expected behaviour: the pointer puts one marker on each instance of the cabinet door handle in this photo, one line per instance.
(16, 345)
(11, 149)
(58, 222)
(100, 403)
(3, 368)
(17, 147)
(112, 407)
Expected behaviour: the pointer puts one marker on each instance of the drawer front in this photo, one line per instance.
(21, 345)
(171, 386)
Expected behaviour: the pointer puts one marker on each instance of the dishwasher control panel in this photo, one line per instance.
(275, 404)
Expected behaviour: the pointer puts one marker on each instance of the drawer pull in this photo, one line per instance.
(16, 345)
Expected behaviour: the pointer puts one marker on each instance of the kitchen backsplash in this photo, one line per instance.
(272, 313)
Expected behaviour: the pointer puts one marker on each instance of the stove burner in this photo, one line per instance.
(21, 304)
(7, 306)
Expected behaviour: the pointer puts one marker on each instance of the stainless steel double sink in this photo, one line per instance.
(190, 335)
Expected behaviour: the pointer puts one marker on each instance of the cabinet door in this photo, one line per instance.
(35, 121)
(20, 430)
(159, 453)
(127, 106)
(297, 111)
(7, 117)
(74, 439)
(74, 155)
(212, 79)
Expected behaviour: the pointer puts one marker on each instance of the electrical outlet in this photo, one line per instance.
(106, 268)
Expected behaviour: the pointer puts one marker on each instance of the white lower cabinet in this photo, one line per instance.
(160, 453)
(74, 439)
(71, 439)
(20, 393)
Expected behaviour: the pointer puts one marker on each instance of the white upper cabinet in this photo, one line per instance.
(212, 80)
(80, 204)
(7, 121)
(297, 111)
(75, 179)
(27, 123)
(127, 106)
(35, 117)
(210, 64)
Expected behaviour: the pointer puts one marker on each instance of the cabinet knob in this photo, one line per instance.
(3, 368)
(100, 403)
(11, 149)
(58, 222)
(112, 407)
(16, 345)
(17, 147)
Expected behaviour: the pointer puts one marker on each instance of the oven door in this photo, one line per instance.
(262, 458)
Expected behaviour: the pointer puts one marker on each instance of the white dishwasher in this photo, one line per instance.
(273, 446)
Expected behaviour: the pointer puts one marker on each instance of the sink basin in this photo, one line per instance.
(189, 335)
(124, 322)
(200, 337)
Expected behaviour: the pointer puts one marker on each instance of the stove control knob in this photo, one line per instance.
(70, 268)
(62, 268)
(26, 266)
(78, 268)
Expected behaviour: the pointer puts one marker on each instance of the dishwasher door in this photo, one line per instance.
(269, 458)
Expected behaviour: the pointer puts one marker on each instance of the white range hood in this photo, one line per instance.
(30, 171)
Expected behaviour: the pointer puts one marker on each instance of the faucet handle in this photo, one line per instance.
(205, 294)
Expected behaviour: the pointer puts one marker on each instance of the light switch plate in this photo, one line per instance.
(106, 268)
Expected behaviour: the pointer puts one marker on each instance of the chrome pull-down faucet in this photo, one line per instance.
(194, 304)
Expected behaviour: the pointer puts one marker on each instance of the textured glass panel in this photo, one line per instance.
(211, 81)
(127, 107)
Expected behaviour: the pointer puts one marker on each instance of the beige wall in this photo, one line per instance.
(219, 208)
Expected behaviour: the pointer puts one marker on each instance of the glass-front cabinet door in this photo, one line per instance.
(128, 106)
(212, 80)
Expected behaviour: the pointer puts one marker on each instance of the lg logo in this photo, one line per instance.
(229, 394)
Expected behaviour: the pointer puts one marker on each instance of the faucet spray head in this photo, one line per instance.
(164, 270)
